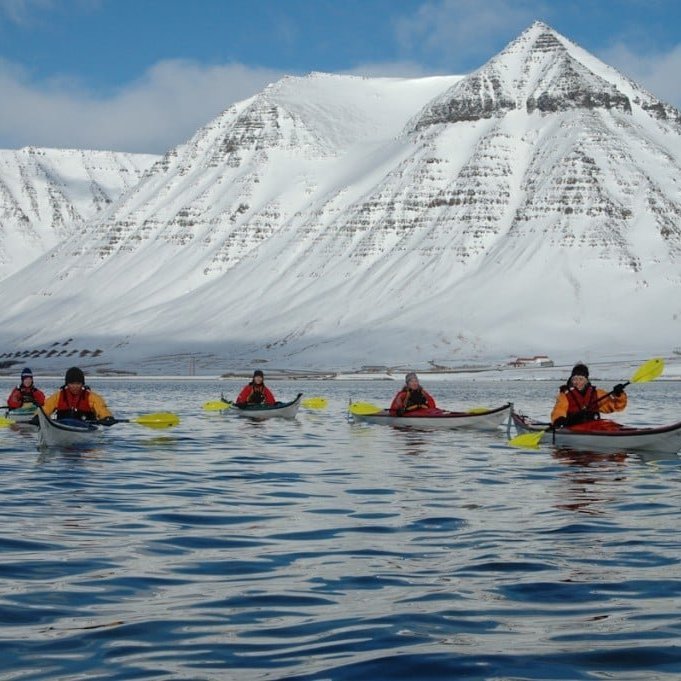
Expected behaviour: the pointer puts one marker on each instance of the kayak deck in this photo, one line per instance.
(286, 410)
(66, 432)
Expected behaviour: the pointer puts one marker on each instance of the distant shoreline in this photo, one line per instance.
(600, 371)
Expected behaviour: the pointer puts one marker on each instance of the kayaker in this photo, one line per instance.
(75, 400)
(25, 394)
(411, 397)
(579, 401)
(256, 392)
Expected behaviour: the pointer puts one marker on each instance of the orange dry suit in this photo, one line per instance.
(579, 406)
(85, 406)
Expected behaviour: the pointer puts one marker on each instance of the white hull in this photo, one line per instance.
(66, 434)
(259, 412)
(662, 439)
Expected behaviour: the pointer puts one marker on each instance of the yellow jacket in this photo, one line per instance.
(605, 405)
(93, 402)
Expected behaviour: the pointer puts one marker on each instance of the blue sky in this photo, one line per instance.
(143, 75)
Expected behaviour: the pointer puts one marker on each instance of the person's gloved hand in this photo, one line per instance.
(618, 390)
(107, 421)
(560, 422)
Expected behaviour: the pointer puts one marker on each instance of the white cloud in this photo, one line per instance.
(461, 30)
(657, 72)
(160, 110)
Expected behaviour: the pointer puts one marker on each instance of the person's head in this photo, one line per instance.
(579, 377)
(258, 377)
(74, 379)
(26, 376)
(411, 380)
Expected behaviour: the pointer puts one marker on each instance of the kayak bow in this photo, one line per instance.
(66, 432)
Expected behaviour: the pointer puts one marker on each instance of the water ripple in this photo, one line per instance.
(318, 549)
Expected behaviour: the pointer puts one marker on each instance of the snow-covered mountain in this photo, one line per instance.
(335, 221)
(48, 194)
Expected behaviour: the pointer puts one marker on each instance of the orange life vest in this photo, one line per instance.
(75, 406)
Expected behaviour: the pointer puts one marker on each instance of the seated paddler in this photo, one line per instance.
(411, 397)
(579, 401)
(75, 400)
(256, 392)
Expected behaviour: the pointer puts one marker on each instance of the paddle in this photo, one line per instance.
(315, 402)
(158, 420)
(648, 371)
(217, 405)
(5, 423)
(363, 408)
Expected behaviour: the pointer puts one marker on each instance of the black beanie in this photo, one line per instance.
(258, 372)
(580, 370)
(74, 375)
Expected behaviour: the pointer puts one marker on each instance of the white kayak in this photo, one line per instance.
(439, 419)
(606, 435)
(23, 415)
(285, 410)
(66, 432)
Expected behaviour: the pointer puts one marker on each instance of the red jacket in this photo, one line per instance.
(21, 396)
(252, 394)
(408, 400)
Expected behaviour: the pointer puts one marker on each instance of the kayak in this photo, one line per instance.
(284, 410)
(23, 415)
(603, 434)
(436, 419)
(66, 432)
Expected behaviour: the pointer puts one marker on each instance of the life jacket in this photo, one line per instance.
(27, 394)
(582, 407)
(414, 398)
(257, 395)
(75, 407)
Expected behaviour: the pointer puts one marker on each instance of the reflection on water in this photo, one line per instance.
(228, 548)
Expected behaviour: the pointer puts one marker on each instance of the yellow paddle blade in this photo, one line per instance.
(5, 423)
(527, 440)
(216, 405)
(648, 371)
(159, 420)
(477, 410)
(315, 403)
(361, 408)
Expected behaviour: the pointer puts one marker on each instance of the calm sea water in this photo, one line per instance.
(320, 549)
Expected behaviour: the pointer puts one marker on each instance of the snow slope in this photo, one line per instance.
(332, 221)
(48, 194)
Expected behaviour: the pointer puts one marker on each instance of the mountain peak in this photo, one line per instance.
(538, 71)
